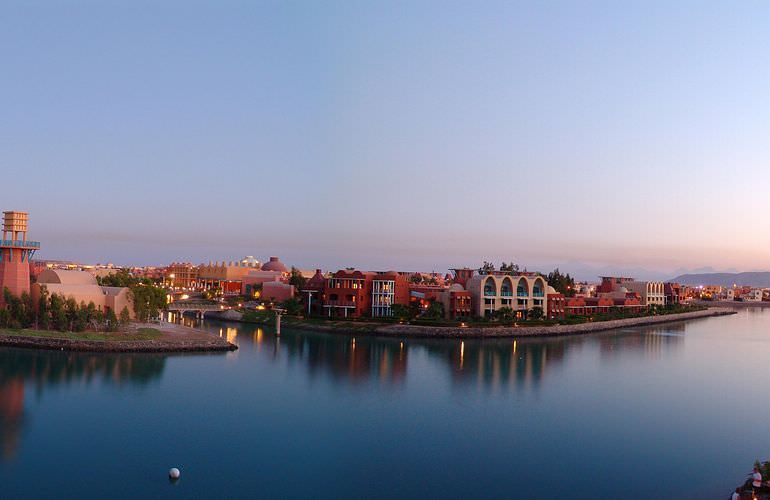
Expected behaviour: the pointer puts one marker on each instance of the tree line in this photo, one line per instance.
(149, 298)
(54, 312)
(562, 283)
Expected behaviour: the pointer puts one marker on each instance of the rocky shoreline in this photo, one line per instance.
(175, 338)
(731, 303)
(418, 331)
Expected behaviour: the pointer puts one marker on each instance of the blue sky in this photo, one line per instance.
(408, 135)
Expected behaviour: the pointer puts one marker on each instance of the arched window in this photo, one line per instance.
(489, 287)
(522, 288)
(538, 290)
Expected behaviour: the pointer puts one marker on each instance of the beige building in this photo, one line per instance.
(490, 292)
(82, 286)
(181, 276)
(227, 276)
(650, 292)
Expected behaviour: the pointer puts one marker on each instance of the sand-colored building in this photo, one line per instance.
(277, 291)
(650, 292)
(227, 276)
(181, 276)
(490, 292)
(82, 286)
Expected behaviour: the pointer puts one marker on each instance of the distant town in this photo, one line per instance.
(484, 293)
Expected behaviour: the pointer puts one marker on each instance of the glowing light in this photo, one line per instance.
(462, 353)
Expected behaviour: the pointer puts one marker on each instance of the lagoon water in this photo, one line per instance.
(674, 411)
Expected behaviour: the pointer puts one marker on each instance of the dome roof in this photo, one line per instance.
(274, 265)
(456, 287)
(62, 277)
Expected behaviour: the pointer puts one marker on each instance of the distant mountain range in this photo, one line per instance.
(756, 279)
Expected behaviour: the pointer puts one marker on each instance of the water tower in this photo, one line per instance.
(15, 253)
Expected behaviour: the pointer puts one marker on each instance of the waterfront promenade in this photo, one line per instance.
(420, 331)
(154, 337)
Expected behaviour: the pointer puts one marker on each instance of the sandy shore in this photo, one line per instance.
(174, 338)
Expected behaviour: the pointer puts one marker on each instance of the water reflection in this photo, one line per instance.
(356, 359)
(496, 363)
(490, 364)
(43, 370)
(493, 363)
(649, 342)
(11, 416)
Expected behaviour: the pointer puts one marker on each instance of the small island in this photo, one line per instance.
(76, 311)
(160, 337)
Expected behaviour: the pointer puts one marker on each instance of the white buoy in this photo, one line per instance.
(174, 473)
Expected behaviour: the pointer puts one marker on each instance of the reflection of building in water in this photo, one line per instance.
(498, 363)
(44, 369)
(11, 415)
(650, 341)
(54, 367)
(229, 333)
(359, 359)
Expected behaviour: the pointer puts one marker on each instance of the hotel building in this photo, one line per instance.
(358, 294)
(490, 292)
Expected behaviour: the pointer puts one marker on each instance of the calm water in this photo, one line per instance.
(675, 411)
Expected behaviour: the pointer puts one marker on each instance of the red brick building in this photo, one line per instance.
(359, 294)
(673, 292)
(556, 306)
(611, 283)
(312, 293)
(457, 302)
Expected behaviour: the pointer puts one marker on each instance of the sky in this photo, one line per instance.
(409, 135)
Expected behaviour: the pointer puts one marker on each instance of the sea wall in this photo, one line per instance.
(534, 331)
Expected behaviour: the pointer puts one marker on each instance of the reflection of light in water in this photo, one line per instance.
(514, 347)
(221, 332)
(462, 353)
(354, 343)
(258, 336)
(232, 334)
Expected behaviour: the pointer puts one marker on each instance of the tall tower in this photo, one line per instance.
(15, 253)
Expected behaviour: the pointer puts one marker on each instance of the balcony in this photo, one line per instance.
(506, 294)
(19, 244)
(522, 294)
(539, 294)
(340, 303)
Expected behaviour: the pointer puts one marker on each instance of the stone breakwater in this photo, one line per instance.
(534, 331)
(175, 338)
